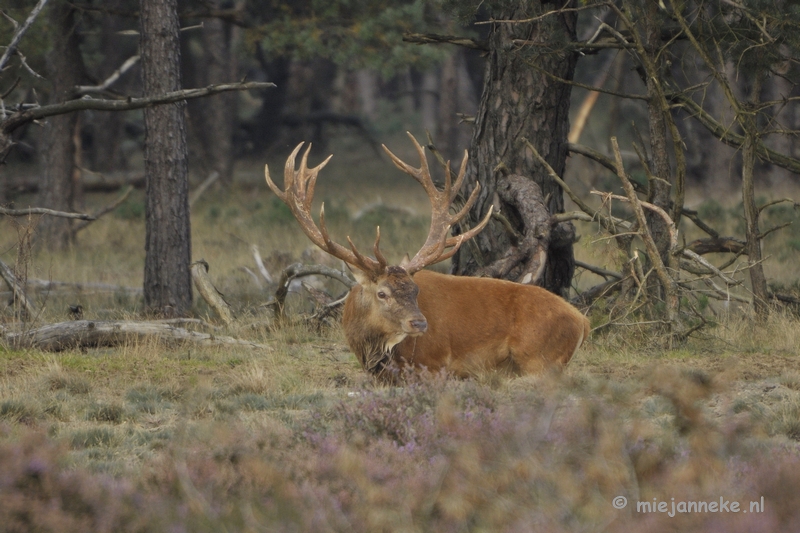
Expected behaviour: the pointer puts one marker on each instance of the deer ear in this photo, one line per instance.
(362, 278)
(406, 260)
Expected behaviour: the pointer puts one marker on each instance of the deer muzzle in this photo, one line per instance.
(417, 327)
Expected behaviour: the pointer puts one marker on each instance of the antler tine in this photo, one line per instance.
(354, 257)
(458, 240)
(467, 205)
(288, 176)
(377, 250)
(421, 174)
(460, 178)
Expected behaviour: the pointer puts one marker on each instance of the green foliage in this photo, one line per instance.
(130, 210)
(354, 33)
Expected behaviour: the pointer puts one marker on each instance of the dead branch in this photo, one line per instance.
(606, 222)
(431, 38)
(673, 234)
(16, 288)
(210, 294)
(599, 271)
(717, 245)
(698, 259)
(252, 275)
(89, 334)
(667, 283)
(785, 298)
(126, 66)
(589, 296)
(260, 265)
(198, 192)
(104, 211)
(299, 270)
(781, 201)
(731, 138)
(37, 112)
(43, 211)
(21, 30)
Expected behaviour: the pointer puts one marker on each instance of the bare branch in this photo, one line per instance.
(716, 245)
(599, 271)
(697, 258)
(198, 192)
(431, 38)
(104, 211)
(12, 46)
(38, 112)
(260, 265)
(726, 135)
(43, 211)
(126, 66)
(299, 270)
(667, 282)
(16, 288)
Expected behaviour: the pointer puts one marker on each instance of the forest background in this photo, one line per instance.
(689, 385)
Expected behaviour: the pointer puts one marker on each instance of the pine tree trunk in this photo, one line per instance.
(167, 280)
(520, 101)
(58, 189)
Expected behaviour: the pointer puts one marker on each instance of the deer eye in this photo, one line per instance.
(381, 295)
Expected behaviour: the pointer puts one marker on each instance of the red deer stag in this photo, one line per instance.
(403, 315)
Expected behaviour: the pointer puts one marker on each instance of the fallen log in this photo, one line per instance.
(90, 334)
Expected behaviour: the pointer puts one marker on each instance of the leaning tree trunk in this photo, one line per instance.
(167, 280)
(519, 102)
(65, 69)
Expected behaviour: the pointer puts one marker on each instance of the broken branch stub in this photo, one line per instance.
(210, 294)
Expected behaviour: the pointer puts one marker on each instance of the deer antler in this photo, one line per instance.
(436, 245)
(299, 193)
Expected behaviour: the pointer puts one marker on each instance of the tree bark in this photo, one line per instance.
(456, 95)
(167, 280)
(758, 280)
(520, 101)
(65, 69)
(660, 185)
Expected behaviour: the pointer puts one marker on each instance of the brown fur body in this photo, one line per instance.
(473, 325)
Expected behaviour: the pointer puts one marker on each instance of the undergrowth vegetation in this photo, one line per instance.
(295, 437)
(298, 439)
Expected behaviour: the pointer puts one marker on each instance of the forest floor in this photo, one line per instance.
(293, 436)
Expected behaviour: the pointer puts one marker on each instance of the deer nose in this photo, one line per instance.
(419, 325)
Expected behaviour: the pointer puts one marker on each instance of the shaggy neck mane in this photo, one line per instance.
(373, 347)
(373, 352)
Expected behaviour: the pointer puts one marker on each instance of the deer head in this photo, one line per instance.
(384, 304)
